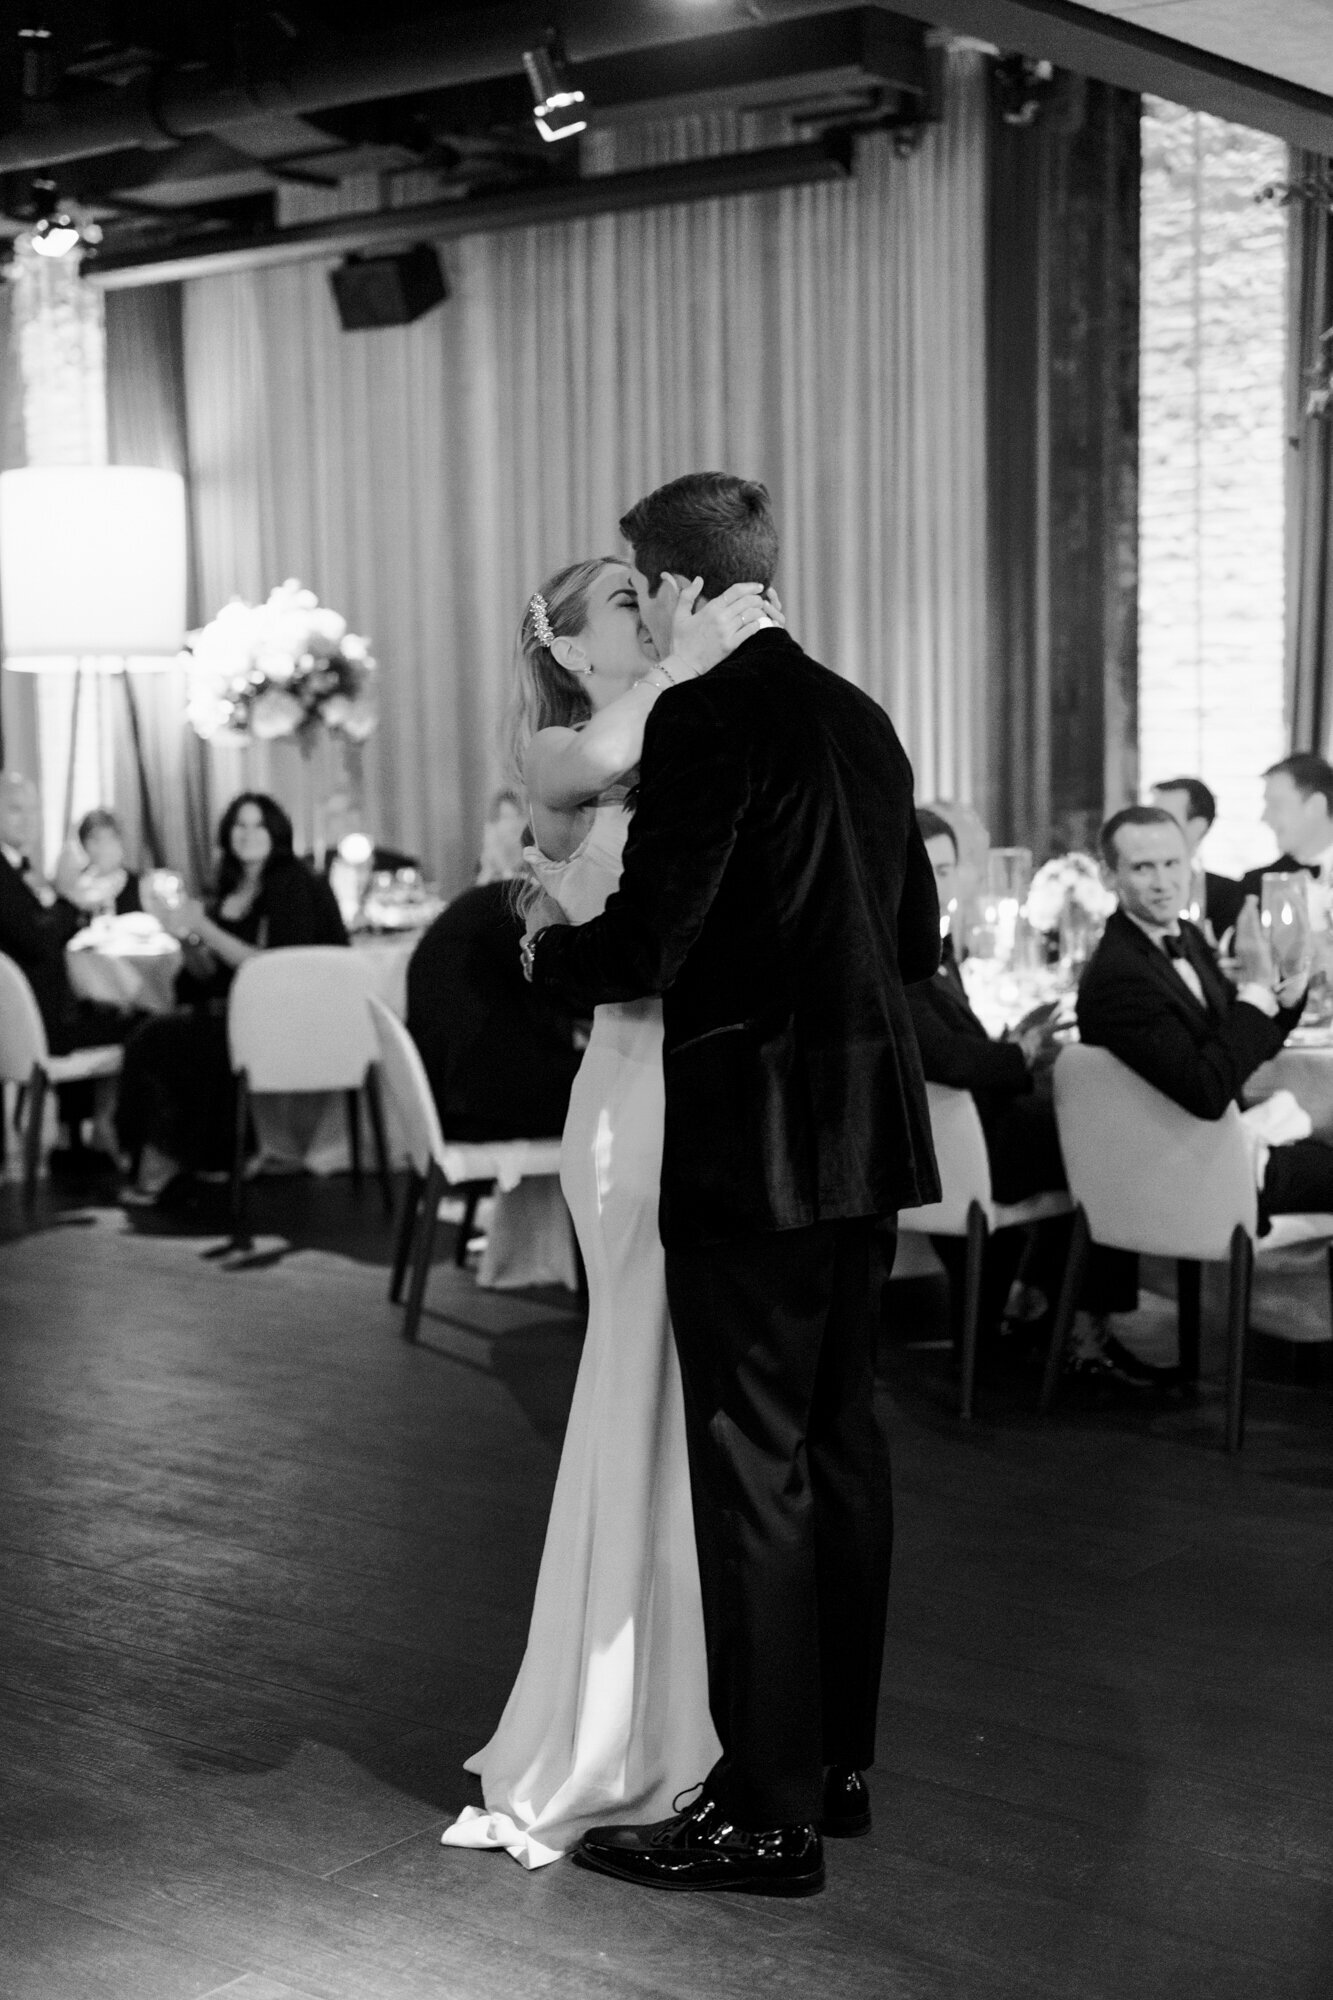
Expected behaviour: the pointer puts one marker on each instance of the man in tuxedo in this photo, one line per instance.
(1009, 1080)
(36, 923)
(777, 894)
(1190, 801)
(1298, 805)
(1153, 995)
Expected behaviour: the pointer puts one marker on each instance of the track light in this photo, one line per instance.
(55, 235)
(554, 98)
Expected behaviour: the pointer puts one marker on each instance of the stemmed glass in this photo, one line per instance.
(1284, 911)
(1008, 879)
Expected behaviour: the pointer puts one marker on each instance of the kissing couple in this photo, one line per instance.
(728, 872)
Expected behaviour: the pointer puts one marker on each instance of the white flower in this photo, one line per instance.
(208, 714)
(335, 710)
(325, 632)
(1072, 878)
(275, 713)
(353, 647)
(360, 720)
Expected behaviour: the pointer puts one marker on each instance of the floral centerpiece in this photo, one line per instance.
(1068, 878)
(260, 672)
(1069, 898)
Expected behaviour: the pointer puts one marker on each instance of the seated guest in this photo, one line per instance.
(103, 882)
(1009, 1081)
(1019, 1125)
(500, 1054)
(1153, 995)
(176, 1096)
(37, 921)
(1189, 801)
(1298, 805)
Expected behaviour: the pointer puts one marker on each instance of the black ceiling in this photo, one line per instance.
(173, 123)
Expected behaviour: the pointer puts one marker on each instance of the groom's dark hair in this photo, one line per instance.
(708, 524)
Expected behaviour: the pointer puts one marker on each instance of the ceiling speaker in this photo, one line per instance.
(388, 291)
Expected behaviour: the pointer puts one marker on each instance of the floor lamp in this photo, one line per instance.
(92, 578)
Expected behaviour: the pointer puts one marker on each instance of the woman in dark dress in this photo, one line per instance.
(176, 1093)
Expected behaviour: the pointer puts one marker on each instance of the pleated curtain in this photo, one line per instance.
(1309, 583)
(425, 479)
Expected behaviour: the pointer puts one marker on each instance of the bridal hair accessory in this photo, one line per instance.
(541, 622)
(541, 626)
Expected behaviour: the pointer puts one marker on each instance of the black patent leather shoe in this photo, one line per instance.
(702, 1849)
(846, 1803)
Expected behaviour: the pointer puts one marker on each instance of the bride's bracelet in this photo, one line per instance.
(668, 679)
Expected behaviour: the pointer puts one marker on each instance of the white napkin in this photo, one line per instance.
(1276, 1122)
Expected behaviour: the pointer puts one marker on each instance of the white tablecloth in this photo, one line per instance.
(124, 964)
(529, 1237)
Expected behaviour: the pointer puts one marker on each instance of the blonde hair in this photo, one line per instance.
(546, 695)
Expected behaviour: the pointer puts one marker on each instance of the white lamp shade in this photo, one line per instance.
(92, 563)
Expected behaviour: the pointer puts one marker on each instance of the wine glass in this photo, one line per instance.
(1284, 911)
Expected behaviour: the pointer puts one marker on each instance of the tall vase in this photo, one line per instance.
(1080, 933)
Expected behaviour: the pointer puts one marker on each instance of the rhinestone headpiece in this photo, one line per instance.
(541, 623)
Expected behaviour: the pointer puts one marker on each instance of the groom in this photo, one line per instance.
(777, 894)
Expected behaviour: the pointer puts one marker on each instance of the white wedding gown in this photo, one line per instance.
(608, 1718)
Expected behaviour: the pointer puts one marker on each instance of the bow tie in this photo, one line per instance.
(1174, 946)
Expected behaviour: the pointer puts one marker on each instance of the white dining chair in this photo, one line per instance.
(26, 1059)
(298, 1019)
(1149, 1177)
(967, 1208)
(435, 1164)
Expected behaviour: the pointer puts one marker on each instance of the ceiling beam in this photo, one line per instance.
(1139, 59)
(323, 69)
(439, 221)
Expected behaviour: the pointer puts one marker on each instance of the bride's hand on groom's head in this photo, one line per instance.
(702, 637)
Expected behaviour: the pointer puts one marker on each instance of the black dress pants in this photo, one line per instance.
(1299, 1179)
(789, 1471)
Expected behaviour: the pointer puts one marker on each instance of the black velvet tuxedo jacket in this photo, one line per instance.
(1132, 1001)
(35, 938)
(777, 894)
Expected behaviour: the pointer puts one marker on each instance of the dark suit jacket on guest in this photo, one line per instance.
(500, 1056)
(1224, 899)
(1017, 1116)
(1133, 1002)
(1252, 884)
(777, 894)
(955, 1047)
(35, 938)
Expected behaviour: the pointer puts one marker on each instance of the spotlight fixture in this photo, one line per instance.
(55, 235)
(554, 97)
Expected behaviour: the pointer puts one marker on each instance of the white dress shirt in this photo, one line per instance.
(1252, 993)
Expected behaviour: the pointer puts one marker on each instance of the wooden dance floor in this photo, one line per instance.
(265, 1573)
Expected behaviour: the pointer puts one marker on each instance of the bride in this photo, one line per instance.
(608, 1718)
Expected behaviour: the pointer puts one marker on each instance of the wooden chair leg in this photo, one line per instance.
(977, 1235)
(431, 1198)
(472, 1195)
(352, 1098)
(1068, 1306)
(1189, 1280)
(375, 1106)
(240, 1234)
(35, 1114)
(1238, 1327)
(402, 1249)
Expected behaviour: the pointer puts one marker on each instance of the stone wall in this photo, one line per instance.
(1211, 467)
